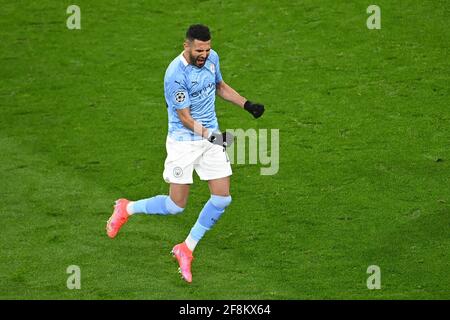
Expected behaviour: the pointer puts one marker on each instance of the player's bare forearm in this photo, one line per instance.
(227, 93)
(190, 123)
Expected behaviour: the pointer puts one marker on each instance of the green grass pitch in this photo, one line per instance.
(364, 120)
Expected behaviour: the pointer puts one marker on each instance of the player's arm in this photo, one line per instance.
(223, 139)
(189, 122)
(227, 93)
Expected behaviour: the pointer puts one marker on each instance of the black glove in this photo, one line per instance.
(223, 139)
(255, 109)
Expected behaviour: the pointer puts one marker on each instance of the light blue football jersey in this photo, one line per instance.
(186, 85)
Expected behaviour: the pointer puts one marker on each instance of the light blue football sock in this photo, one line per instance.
(209, 215)
(156, 205)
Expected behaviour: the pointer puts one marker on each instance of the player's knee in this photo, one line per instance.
(172, 207)
(220, 201)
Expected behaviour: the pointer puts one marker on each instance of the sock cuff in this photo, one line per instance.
(172, 206)
(220, 201)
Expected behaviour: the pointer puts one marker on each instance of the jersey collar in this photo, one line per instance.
(183, 59)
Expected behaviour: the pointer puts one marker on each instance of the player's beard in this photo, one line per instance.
(195, 61)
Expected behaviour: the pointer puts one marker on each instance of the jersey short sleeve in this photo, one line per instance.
(215, 60)
(177, 95)
(218, 73)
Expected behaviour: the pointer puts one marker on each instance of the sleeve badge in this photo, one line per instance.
(180, 96)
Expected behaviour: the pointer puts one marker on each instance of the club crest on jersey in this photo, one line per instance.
(180, 96)
(212, 68)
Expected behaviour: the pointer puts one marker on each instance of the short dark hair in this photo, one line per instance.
(199, 32)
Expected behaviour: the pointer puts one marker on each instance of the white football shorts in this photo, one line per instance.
(210, 161)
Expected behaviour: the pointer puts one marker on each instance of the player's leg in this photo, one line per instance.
(174, 203)
(179, 194)
(212, 211)
(220, 187)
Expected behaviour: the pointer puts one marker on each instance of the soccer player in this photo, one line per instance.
(191, 83)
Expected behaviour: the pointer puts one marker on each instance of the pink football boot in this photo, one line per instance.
(118, 218)
(184, 257)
